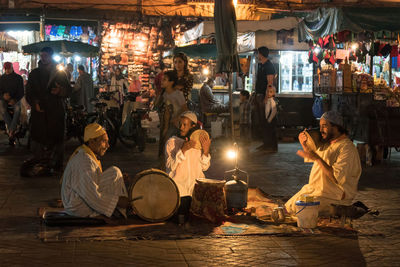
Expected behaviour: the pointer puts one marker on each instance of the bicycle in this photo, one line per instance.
(76, 122)
(102, 117)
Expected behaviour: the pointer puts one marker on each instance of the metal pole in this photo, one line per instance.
(390, 72)
(231, 105)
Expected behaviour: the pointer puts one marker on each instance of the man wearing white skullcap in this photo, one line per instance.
(86, 190)
(185, 160)
(336, 170)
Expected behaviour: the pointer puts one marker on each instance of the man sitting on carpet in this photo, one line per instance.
(86, 190)
(336, 170)
(185, 163)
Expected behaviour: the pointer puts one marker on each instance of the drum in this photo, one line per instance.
(208, 199)
(313, 138)
(196, 137)
(155, 195)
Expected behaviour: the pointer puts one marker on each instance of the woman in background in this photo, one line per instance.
(185, 78)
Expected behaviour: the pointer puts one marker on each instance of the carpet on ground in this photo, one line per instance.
(254, 220)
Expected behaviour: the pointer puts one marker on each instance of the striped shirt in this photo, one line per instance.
(88, 192)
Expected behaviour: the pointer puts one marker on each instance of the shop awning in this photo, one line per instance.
(19, 23)
(325, 21)
(68, 22)
(63, 47)
(207, 27)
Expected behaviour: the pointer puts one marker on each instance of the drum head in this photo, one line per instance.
(211, 182)
(313, 139)
(196, 137)
(160, 195)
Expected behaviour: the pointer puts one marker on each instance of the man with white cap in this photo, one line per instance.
(185, 163)
(336, 169)
(86, 190)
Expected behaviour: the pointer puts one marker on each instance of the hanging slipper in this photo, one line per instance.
(395, 51)
(332, 59)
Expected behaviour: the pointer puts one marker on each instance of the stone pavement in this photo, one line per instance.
(283, 173)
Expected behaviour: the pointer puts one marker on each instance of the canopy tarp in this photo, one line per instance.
(208, 27)
(226, 36)
(63, 47)
(325, 21)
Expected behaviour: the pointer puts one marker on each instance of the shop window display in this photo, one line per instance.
(83, 34)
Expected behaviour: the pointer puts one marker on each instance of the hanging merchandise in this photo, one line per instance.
(61, 30)
(54, 30)
(47, 29)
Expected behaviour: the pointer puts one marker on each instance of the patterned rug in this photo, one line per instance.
(255, 220)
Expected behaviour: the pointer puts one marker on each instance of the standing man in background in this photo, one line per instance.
(84, 88)
(264, 80)
(46, 91)
(11, 92)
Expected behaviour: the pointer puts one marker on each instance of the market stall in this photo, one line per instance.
(78, 31)
(357, 53)
(133, 47)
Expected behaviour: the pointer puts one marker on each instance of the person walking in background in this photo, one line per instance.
(245, 117)
(265, 79)
(135, 84)
(83, 89)
(119, 85)
(270, 142)
(70, 71)
(185, 78)
(46, 90)
(11, 93)
(158, 78)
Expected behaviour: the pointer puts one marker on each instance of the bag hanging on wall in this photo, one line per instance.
(317, 107)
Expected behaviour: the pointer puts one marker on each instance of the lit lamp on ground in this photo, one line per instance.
(236, 189)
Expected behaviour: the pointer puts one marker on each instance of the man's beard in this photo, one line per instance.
(328, 137)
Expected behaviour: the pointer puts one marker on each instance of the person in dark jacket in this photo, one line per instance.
(46, 90)
(11, 92)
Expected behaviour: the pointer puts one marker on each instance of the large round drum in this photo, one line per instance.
(158, 195)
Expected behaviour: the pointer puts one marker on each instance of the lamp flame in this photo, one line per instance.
(231, 154)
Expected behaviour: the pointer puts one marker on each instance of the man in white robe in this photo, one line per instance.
(336, 170)
(185, 163)
(86, 190)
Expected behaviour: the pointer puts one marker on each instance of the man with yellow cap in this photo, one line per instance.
(86, 190)
(185, 161)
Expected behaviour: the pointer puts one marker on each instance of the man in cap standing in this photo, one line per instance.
(185, 163)
(11, 93)
(336, 169)
(46, 90)
(264, 80)
(86, 190)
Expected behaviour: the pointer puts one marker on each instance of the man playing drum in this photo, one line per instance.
(336, 170)
(185, 163)
(86, 190)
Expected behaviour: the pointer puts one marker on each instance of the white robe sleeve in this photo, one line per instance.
(174, 156)
(87, 189)
(346, 165)
(205, 162)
